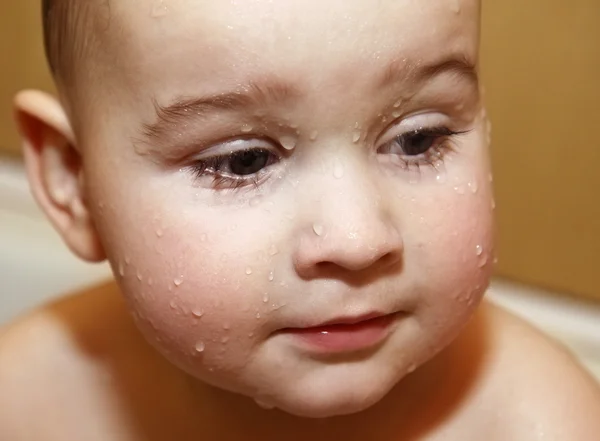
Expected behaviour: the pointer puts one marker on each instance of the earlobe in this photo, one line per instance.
(55, 172)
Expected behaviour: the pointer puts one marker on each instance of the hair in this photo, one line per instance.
(69, 35)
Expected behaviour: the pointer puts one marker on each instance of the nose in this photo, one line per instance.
(350, 231)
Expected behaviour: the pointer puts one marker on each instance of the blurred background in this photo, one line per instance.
(541, 68)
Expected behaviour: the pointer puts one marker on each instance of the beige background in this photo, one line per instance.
(541, 65)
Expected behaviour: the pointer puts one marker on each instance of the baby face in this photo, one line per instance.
(294, 195)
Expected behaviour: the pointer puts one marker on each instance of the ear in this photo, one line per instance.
(54, 169)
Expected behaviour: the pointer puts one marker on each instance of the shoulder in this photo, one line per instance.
(542, 387)
(56, 363)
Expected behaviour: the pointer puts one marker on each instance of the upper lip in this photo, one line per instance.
(349, 320)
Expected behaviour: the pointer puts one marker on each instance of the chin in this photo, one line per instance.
(333, 398)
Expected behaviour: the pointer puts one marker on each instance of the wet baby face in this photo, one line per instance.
(258, 169)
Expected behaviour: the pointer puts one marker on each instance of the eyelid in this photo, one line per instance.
(411, 123)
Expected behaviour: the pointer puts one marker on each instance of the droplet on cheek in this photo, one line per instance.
(198, 313)
(248, 271)
(271, 276)
(474, 186)
(121, 269)
(159, 9)
(459, 189)
(200, 347)
(178, 281)
(273, 250)
(479, 250)
(160, 233)
(266, 298)
(314, 135)
(255, 201)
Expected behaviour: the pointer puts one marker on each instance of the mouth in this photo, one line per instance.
(346, 334)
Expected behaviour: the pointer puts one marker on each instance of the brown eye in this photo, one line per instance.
(417, 142)
(247, 162)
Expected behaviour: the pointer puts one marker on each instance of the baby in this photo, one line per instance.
(295, 198)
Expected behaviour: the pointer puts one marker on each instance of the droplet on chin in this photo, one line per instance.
(288, 142)
(263, 404)
(173, 304)
(200, 347)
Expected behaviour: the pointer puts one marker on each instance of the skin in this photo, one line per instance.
(340, 223)
(391, 239)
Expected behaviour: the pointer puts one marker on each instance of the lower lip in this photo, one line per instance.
(346, 338)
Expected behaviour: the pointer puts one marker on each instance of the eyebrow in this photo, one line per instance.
(170, 117)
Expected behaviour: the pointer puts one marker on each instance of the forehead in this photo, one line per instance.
(213, 45)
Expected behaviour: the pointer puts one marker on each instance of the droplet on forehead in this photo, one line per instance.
(246, 128)
(288, 142)
(200, 346)
(178, 281)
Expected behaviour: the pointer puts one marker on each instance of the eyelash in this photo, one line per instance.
(442, 136)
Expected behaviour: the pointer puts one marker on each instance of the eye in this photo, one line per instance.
(417, 142)
(247, 162)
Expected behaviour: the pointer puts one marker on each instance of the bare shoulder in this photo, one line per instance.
(543, 388)
(61, 365)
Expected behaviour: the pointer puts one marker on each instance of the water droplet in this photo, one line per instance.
(139, 277)
(258, 315)
(396, 114)
(356, 137)
(288, 142)
(250, 335)
(178, 281)
(121, 269)
(474, 186)
(273, 251)
(255, 201)
(314, 135)
(226, 327)
(264, 405)
(200, 347)
(198, 313)
(318, 229)
(338, 169)
(127, 260)
(479, 250)
(459, 189)
(441, 178)
(271, 276)
(483, 262)
(248, 271)
(172, 304)
(266, 298)
(159, 9)
(225, 340)
(246, 128)
(397, 104)
(159, 233)
(411, 368)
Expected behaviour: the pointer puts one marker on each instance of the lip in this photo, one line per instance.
(346, 334)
